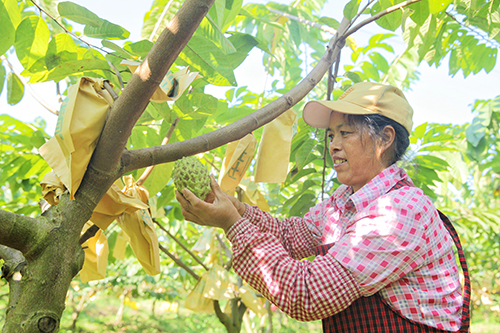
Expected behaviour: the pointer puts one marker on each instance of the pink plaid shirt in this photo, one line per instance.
(388, 242)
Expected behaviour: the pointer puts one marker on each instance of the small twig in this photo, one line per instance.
(323, 27)
(377, 16)
(179, 262)
(149, 169)
(361, 11)
(160, 20)
(118, 75)
(110, 90)
(227, 252)
(88, 234)
(72, 34)
(58, 92)
(28, 86)
(181, 245)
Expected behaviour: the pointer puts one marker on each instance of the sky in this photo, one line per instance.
(436, 97)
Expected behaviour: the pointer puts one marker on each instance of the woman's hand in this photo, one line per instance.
(222, 212)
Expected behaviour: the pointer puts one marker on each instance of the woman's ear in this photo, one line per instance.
(389, 135)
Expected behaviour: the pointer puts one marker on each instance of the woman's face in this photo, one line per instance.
(356, 158)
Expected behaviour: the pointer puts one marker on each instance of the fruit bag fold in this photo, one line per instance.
(79, 125)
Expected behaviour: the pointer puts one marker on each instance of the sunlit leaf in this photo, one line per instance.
(2, 77)
(15, 89)
(10, 16)
(351, 9)
(32, 38)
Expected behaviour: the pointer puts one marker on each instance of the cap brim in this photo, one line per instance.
(317, 113)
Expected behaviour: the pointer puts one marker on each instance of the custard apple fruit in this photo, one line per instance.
(190, 173)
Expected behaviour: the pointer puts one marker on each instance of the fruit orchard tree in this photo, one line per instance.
(42, 251)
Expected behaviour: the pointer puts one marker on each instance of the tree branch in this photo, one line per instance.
(179, 262)
(141, 158)
(21, 232)
(379, 15)
(195, 257)
(12, 271)
(105, 165)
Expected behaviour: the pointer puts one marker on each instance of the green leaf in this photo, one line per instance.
(351, 9)
(305, 153)
(477, 129)
(420, 11)
(106, 30)
(140, 48)
(209, 29)
(118, 49)
(243, 43)
(10, 16)
(32, 39)
(94, 25)
(203, 55)
(419, 132)
(390, 21)
(158, 178)
(306, 201)
(197, 105)
(75, 67)
(231, 13)
(61, 49)
(78, 14)
(2, 77)
(15, 89)
(436, 6)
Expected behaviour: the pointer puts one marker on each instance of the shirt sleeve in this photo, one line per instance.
(293, 233)
(302, 289)
(386, 242)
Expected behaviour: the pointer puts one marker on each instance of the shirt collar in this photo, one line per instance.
(379, 185)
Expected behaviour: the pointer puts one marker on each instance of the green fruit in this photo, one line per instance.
(190, 173)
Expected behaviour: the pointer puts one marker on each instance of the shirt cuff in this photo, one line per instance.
(239, 227)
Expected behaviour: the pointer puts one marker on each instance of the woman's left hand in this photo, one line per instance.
(220, 213)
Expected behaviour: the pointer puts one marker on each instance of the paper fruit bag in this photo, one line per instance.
(236, 161)
(252, 196)
(217, 283)
(120, 245)
(79, 125)
(172, 86)
(112, 205)
(273, 155)
(96, 256)
(195, 300)
(140, 229)
(249, 298)
(52, 188)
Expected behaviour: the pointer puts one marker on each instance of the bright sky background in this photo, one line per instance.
(437, 97)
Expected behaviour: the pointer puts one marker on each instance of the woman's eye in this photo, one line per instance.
(330, 137)
(343, 133)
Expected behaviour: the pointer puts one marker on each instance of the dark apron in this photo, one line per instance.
(373, 314)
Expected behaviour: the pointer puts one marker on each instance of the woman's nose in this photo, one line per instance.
(334, 144)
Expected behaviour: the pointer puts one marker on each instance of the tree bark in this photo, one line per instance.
(50, 243)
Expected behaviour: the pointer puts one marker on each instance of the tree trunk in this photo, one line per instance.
(37, 302)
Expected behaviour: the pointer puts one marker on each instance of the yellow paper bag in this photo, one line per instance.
(252, 196)
(78, 128)
(52, 188)
(195, 300)
(172, 86)
(120, 245)
(273, 155)
(217, 283)
(140, 229)
(206, 240)
(236, 161)
(113, 204)
(96, 256)
(249, 298)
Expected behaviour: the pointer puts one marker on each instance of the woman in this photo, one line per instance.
(385, 261)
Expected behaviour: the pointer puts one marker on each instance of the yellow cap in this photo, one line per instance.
(362, 98)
